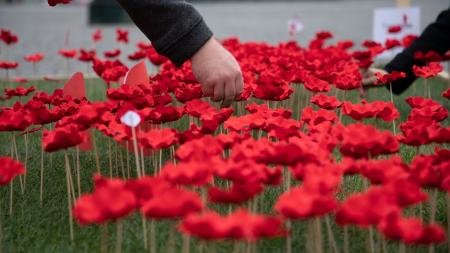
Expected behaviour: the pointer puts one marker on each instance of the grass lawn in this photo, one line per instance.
(36, 228)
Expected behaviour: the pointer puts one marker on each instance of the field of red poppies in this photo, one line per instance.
(305, 161)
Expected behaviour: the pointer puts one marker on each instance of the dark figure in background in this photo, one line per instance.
(179, 32)
(436, 37)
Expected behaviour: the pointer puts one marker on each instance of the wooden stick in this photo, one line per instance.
(11, 193)
(41, 196)
(309, 237)
(289, 237)
(104, 238)
(171, 239)
(448, 215)
(144, 231)
(186, 244)
(318, 235)
(142, 161)
(128, 159)
(136, 152)
(433, 204)
(346, 248)
(1, 228)
(371, 244)
(331, 239)
(96, 157)
(110, 158)
(18, 158)
(119, 236)
(392, 101)
(153, 237)
(25, 161)
(69, 200)
(78, 171)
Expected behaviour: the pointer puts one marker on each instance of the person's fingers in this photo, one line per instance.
(218, 92)
(230, 92)
(369, 80)
(208, 89)
(239, 86)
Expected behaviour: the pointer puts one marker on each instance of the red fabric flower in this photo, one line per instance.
(238, 193)
(383, 110)
(158, 138)
(62, 138)
(55, 2)
(111, 200)
(8, 65)
(172, 203)
(394, 29)
(8, 37)
(19, 91)
(388, 78)
(9, 169)
(240, 225)
(326, 102)
(392, 43)
(34, 58)
(112, 53)
(446, 93)
(97, 35)
(359, 140)
(428, 71)
(86, 55)
(70, 53)
(122, 35)
(14, 120)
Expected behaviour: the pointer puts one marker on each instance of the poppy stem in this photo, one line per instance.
(142, 161)
(1, 228)
(78, 171)
(392, 101)
(309, 237)
(289, 237)
(97, 159)
(69, 200)
(104, 238)
(371, 241)
(427, 86)
(11, 193)
(318, 235)
(136, 152)
(331, 239)
(128, 159)
(171, 239)
(152, 237)
(110, 158)
(186, 244)
(14, 143)
(448, 215)
(144, 231)
(346, 248)
(25, 137)
(433, 203)
(119, 236)
(41, 196)
(401, 248)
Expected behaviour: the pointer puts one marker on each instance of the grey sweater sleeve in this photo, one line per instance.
(174, 27)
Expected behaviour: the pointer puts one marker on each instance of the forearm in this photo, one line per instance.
(436, 37)
(174, 27)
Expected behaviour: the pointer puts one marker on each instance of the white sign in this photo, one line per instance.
(295, 26)
(131, 119)
(407, 18)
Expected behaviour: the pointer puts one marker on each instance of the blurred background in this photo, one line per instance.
(45, 29)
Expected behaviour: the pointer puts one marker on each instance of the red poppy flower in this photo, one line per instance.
(411, 230)
(189, 173)
(154, 57)
(409, 39)
(19, 91)
(324, 35)
(359, 140)
(55, 2)
(14, 120)
(97, 35)
(34, 58)
(383, 171)
(311, 117)
(86, 55)
(392, 43)
(394, 29)
(8, 37)
(172, 203)
(8, 65)
(238, 193)
(446, 93)
(20, 80)
(111, 200)
(122, 35)
(138, 55)
(383, 110)
(315, 84)
(70, 53)
(9, 169)
(112, 53)
(62, 138)
(158, 138)
(161, 114)
(298, 203)
(187, 92)
(430, 56)
(388, 78)
(428, 71)
(240, 225)
(326, 102)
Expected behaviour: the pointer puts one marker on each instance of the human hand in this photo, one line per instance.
(218, 73)
(369, 77)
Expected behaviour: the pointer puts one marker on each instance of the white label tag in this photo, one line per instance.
(131, 119)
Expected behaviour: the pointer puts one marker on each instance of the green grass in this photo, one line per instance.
(36, 228)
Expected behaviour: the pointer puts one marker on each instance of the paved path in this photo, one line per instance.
(43, 29)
